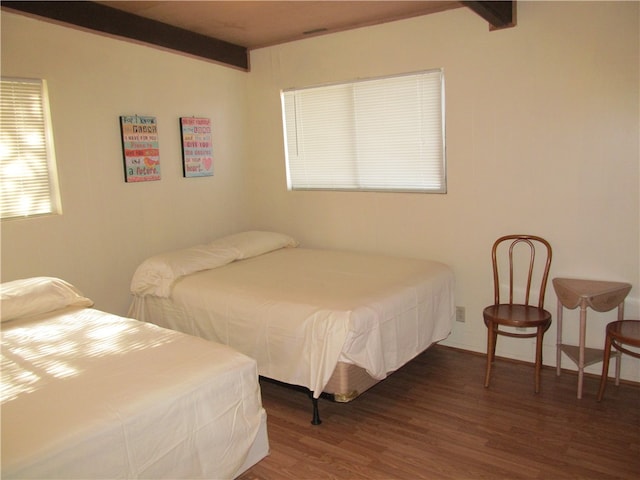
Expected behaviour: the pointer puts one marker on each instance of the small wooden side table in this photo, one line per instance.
(601, 296)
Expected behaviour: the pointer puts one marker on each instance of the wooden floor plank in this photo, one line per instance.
(434, 419)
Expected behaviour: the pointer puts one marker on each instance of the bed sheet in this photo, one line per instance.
(86, 394)
(299, 311)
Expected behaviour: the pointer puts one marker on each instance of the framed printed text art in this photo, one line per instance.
(197, 149)
(140, 148)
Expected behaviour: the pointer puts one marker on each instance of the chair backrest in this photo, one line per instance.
(517, 255)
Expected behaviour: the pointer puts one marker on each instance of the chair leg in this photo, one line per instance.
(491, 350)
(495, 341)
(605, 367)
(539, 337)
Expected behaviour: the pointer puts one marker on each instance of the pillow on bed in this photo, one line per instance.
(253, 243)
(33, 296)
(156, 275)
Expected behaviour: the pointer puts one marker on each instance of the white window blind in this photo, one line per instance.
(28, 182)
(381, 134)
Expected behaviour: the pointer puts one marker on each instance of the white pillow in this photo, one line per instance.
(33, 296)
(253, 243)
(156, 275)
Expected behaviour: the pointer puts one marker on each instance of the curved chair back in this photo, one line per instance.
(522, 267)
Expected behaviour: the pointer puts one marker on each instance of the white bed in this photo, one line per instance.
(301, 313)
(87, 394)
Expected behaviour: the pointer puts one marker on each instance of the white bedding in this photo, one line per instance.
(86, 394)
(299, 311)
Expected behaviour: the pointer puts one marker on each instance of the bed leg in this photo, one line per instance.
(316, 414)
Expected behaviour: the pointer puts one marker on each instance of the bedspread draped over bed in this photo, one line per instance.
(86, 394)
(299, 311)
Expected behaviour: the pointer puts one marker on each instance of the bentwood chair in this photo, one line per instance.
(523, 262)
(619, 333)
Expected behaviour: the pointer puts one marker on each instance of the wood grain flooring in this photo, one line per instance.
(433, 419)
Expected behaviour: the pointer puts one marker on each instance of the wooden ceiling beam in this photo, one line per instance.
(112, 21)
(499, 14)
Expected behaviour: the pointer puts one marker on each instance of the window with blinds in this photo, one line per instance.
(380, 134)
(28, 182)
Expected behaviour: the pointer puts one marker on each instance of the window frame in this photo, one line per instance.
(431, 168)
(47, 187)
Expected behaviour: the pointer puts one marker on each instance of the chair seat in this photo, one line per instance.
(625, 332)
(516, 315)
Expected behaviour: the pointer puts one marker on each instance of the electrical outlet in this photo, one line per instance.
(460, 314)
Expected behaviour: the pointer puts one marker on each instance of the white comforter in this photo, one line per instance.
(86, 394)
(299, 311)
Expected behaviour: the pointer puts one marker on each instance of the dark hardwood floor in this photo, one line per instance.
(434, 419)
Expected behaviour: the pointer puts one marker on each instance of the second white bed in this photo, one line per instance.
(300, 311)
(87, 394)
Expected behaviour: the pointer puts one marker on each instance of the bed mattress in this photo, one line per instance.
(86, 394)
(300, 311)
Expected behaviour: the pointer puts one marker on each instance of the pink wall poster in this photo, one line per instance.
(197, 149)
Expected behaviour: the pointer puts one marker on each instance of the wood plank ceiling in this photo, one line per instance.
(225, 31)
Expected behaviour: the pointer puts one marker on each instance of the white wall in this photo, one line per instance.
(542, 137)
(109, 226)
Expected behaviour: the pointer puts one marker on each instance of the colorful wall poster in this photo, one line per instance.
(140, 148)
(197, 150)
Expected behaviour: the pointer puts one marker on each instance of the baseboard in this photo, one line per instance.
(545, 367)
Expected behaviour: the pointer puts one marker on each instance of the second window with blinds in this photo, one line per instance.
(28, 180)
(379, 134)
